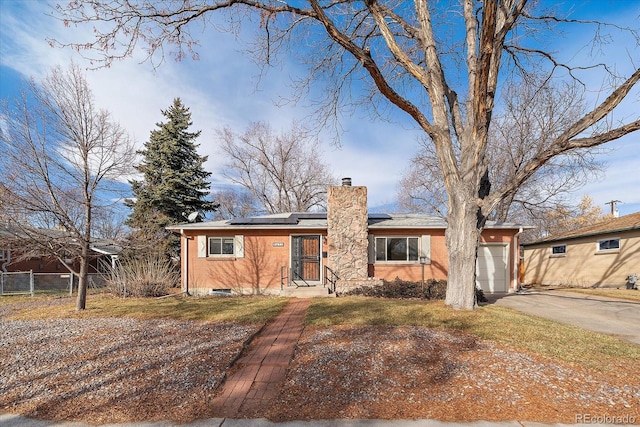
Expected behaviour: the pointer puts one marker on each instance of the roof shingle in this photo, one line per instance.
(318, 220)
(624, 223)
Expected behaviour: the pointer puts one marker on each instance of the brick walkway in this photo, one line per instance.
(256, 377)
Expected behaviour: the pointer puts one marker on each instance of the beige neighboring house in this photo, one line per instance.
(600, 255)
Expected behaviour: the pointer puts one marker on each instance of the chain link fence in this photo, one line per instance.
(30, 283)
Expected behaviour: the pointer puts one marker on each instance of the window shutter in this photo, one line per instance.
(202, 246)
(425, 247)
(371, 249)
(238, 245)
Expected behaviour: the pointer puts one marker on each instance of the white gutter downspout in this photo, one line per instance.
(185, 264)
(516, 258)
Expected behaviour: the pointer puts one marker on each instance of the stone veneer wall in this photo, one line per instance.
(347, 235)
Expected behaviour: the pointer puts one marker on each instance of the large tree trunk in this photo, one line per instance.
(81, 301)
(462, 237)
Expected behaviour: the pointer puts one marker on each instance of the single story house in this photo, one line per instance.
(603, 254)
(343, 248)
(104, 252)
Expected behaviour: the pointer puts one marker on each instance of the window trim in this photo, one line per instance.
(405, 261)
(599, 249)
(559, 254)
(221, 238)
(202, 244)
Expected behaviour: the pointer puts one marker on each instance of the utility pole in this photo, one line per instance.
(613, 205)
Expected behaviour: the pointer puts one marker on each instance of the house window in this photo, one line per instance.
(397, 249)
(1, 254)
(220, 246)
(608, 244)
(559, 250)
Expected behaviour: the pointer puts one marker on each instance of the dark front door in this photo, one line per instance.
(305, 258)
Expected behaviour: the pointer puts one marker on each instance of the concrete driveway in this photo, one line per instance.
(610, 316)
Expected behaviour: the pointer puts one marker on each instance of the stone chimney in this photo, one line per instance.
(347, 236)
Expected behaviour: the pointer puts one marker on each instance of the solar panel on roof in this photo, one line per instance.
(262, 221)
(310, 215)
(379, 216)
(270, 220)
(265, 221)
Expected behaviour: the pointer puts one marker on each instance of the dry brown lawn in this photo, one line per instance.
(433, 364)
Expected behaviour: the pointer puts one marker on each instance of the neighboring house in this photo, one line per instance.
(104, 252)
(604, 254)
(346, 246)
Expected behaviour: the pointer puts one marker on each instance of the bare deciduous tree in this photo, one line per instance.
(531, 118)
(109, 223)
(60, 158)
(284, 173)
(441, 63)
(567, 218)
(234, 203)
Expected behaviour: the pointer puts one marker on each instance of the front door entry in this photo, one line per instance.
(305, 258)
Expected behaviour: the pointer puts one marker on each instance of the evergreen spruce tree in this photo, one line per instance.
(174, 182)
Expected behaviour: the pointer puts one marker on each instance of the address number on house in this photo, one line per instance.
(278, 244)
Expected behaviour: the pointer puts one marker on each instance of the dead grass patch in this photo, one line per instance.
(627, 294)
(501, 324)
(212, 309)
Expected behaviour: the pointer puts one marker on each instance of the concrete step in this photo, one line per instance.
(306, 292)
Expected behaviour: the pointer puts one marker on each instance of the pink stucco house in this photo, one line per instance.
(340, 249)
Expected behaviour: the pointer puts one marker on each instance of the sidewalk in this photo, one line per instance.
(8, 420)
(256, 377)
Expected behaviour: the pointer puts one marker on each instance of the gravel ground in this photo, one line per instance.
(112, 370)
(117, 370)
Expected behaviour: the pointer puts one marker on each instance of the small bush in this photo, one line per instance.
(147, 276)
(480, 295)
(433, 289)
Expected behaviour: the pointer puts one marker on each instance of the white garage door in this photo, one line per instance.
(491, 268)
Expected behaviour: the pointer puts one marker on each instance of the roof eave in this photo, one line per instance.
(579, 236)
(104, 251)
(509, 227)
(406, 227)
(181, 230)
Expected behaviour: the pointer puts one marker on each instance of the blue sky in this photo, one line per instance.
(223, 89)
